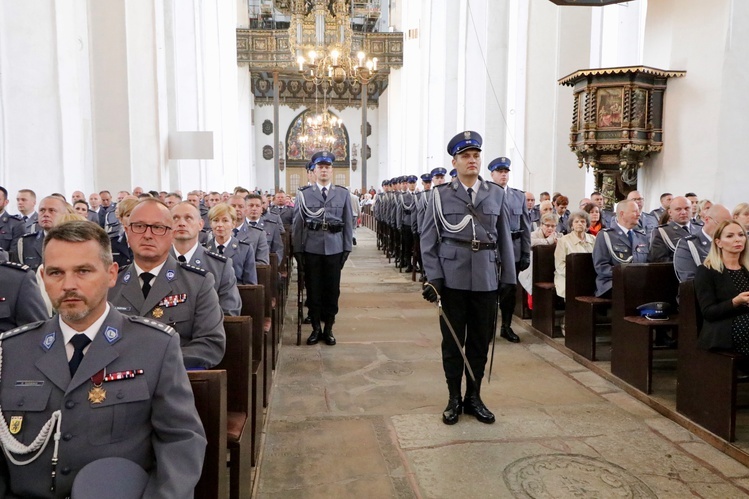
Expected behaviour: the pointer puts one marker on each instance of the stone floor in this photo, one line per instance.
(363, 418)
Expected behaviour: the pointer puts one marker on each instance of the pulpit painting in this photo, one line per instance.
(610, 105)
(302, 141)
(640, 108)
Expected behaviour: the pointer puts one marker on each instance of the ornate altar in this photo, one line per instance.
(617, 122)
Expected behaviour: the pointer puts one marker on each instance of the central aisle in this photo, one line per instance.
(363, 418)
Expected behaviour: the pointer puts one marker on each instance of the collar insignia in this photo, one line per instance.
(111, 334)
(169, 275)
(126, 279)
(49, 340)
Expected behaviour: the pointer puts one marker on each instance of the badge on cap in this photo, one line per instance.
(16, 422)
(169, 275)
(49, 340)
(126, 279)
(111, 334)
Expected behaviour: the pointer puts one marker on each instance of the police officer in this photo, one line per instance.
(406, 210)
(647, 221)
(26, 202)
(323, 238)
(110, 385)
(692, 250)
(621, 243)
(534, 214)
(241, 253)
(21, 300)
(186, 249)
(244, 232)
(11, 226)
(466, 235)
(51, 209)
(158, 287)
(666, 236)
(270, 227)
(279, 208)
(520, 228)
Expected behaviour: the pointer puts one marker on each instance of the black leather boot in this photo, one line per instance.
(452, 412)
(327, 334)
(314, 337)
(507, 333)
(474, 406)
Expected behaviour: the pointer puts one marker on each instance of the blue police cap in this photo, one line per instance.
(385, 182)
(453, 173)
(322, 157)
(402, 179)
(500, 164)
(426, 177)
(393, 180)
(438, 171)
(657, 310)
(412, 179)
(464, 141)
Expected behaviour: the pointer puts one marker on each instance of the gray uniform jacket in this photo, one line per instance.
(662, 249)
(405, 210)
(685, 265)
(520, 222)
(256, 237)
(273, 231)
(242, 256)
(30, 249)
(11, 230)
(149, 419)
(183, 297)
(422, 199)
(30, 223)
(337, 212)
(604, 261)
(647, 222)
(392, 207)
(286, 213)
(460, 266)
(223, 274)
(20, 298)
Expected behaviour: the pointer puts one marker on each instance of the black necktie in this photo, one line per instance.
(146, 276)
(630, 237)
(25, 218)
(686, 228)
(254, 224)
(470, 194)
(325, 193)
(79, 341)
(220, 249)
(235, 232)
(182, 258)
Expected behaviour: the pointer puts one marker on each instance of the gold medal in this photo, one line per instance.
(97, 394)
(158, 312)
(15, 424)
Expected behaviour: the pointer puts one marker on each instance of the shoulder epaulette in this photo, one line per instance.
(221, 258)
(30, 234)
(21, 329)
(16, 217)
(640, 231)
(124, 267)
(270, 220)
(256, 227)
(691, 237)
(305, 187)
(245, 242)
(607, 229)
(152, 324)
(193, 268)
(16, 266)
(441, 186)
(342, 187)
(663, 225)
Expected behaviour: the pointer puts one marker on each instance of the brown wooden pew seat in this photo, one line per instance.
(264, 278)
(209, 390)
(544, 294)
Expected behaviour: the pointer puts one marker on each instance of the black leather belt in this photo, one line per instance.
(517, 234)
(330, 227)
(474, 245)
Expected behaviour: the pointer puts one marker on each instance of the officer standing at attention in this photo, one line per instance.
(520, 228)
(158, 287)
(322, 240)
(103, 384)
(11, 226)
(406, 210)
(21, 300)
(465, 237)
(26, 202)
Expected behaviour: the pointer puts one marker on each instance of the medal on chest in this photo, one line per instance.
(97, 394)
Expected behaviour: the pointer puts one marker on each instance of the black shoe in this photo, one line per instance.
(314, 337)
(452, 412)
(328, 337)
(409, 269)
(353, 241)
(307, 320)
(507, 333)
(472, 405)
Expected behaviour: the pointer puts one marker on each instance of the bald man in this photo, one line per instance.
(666, 236)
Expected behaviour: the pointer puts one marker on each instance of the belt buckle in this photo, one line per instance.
(475, 245)
(324, 226)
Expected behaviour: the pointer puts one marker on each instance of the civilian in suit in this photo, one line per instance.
(70, 364)
(322, 240)
(51, 209)
(466, 247)
(621, 243)
(158, 287)
(666, 236)
(722, 289)
(186, 249)
(240, 253)
(692, 250)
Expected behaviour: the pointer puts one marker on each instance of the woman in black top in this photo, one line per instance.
(722, 288)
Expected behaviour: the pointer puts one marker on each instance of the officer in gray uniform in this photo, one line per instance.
(11, 226)
(621, 243)
(241, 254)
(272, 229)
(666, 236)
(405, 212)
(186, 249)
(520, 228)
(322, 232)
(286, 213)
(110, 385)
(465, 238)
(20, 298)
(244, 232)
(51, 209)
(692, 250)
(158, 287)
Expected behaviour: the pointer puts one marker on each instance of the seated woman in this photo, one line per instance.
(242, 254)
(722, 288)
(596, 222)
(577, 241)
(543, 208)
(546, 234)
(741, 214)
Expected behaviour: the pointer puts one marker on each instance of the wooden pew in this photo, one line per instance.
(253, 305)
(276, 310)
(631, 335)
(264, 278)
(238, 365)
(521, 303)
(544, 294)
(706, 381)
(209, 390)
(581, 305)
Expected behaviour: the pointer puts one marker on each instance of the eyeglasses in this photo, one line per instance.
(637, 199)
(551, 226)
(156, 230)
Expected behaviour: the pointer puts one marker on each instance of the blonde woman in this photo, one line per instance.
(741, 214)
(223, 219)
(577, 241)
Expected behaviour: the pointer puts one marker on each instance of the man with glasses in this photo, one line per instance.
(647, 221)
(158, 287)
